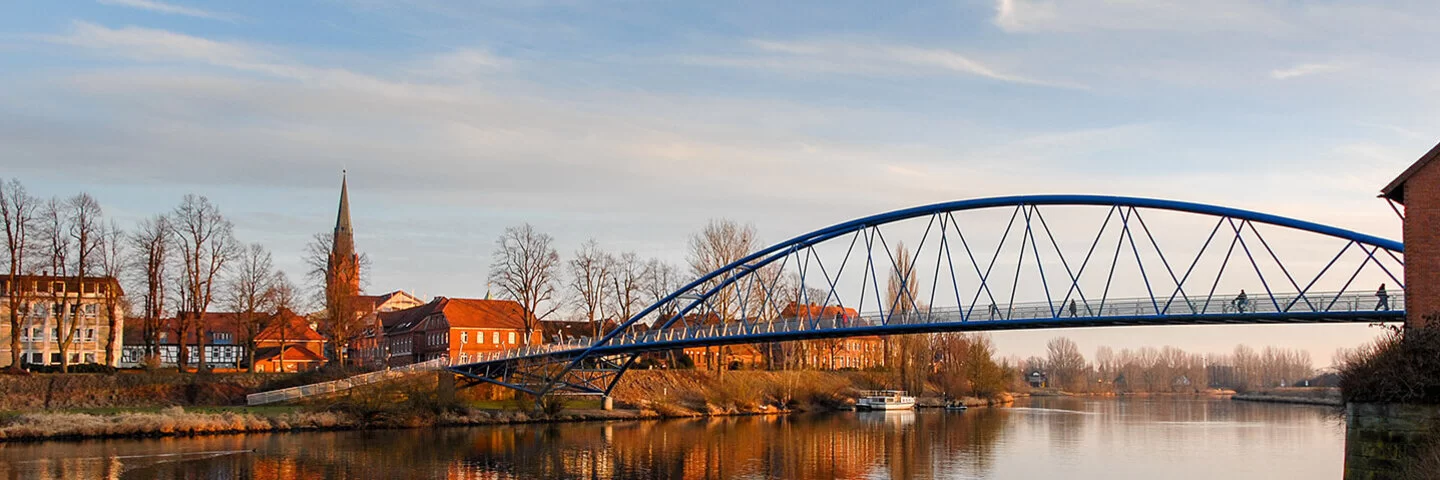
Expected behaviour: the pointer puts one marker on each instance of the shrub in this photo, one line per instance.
(77, 368)
(1401, 367)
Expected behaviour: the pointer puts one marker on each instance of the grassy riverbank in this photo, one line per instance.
(81, 408)
(1329, 397)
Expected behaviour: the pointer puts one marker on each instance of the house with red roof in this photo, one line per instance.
(461, 329)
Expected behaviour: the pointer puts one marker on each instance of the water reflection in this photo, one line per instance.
(1060, 438)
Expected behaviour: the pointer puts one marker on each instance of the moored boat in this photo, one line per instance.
(885, 400)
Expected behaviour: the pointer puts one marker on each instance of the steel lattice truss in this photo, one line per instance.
(1043, 261)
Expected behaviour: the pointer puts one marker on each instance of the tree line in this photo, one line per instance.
(176, 266)
(1166, 369)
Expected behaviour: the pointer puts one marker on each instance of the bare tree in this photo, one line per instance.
(74, 229)
(721, 243)
(901, 291)
(661, 279)
(627, 278)
(524, 267)
(250, 293)
(284, 297)
(18, 215)
(589, 272)
(150, 256)
(206, 243)
(112, 265)
(1065, 362)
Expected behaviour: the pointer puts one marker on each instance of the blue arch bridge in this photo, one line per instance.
(1003, 263)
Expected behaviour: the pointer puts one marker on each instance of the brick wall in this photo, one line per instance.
(1422, 245)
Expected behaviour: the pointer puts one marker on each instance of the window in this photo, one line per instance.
(38, 334)
(512, 337)
(37, 358)
(54, 358)
(495, 337)
(89, 358)
(464, 338)
(89, 334)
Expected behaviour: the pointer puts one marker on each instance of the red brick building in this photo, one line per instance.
(1418, 189)
(460, 329)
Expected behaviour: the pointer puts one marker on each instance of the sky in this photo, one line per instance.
(634, 122)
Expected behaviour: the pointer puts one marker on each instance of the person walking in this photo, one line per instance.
(1072, 309)
(994, 310)
(1384, 303)
(1241, 301)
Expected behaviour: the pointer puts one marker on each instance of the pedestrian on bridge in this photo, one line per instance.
(1241, 301)
(1384, 303)
(1072, 309)
(994, 310)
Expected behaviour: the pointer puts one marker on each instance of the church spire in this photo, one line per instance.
(342, 277)
(342, 220)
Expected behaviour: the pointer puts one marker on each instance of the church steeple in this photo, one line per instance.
(342, 275)
(342, 220)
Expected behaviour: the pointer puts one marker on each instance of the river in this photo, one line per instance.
(1069, 438)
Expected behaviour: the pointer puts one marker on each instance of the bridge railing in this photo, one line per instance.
(336, 386)
(1311, 302)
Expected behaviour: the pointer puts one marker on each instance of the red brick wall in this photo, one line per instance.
(1422, 245)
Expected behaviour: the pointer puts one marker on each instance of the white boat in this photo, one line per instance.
(885, 400)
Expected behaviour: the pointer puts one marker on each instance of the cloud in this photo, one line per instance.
(1303, 70)
(866, 59)
(168, 9)
(1033, 16)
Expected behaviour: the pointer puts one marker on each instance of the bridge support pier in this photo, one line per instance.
(607, 403)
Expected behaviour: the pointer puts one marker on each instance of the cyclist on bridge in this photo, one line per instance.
(1241, 301)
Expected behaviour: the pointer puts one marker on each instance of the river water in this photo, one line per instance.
(1055, 438)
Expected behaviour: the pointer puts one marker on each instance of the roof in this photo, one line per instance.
(1396, 189)
(816, 311)
(69, 282)
(286, 324)
(371, 303)
(458, 312)
(293, 353)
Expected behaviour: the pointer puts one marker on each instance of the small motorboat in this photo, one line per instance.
(885, 400)
(956, 406)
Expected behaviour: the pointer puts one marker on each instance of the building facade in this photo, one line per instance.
(461, 329)
(1418, 189)
(49, 305)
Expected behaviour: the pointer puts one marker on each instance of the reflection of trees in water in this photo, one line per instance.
(817, 446)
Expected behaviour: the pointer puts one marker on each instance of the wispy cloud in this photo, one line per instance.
(1031, 16)
(169, 9)
(1304, 69)
(866, 59)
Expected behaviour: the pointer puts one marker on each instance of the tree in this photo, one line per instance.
(206, 243)
(250, 293)
(283, 297)
(150, 255)
(112, 266)
(627, 278)
(589, 273)
(660, 280)
(1065, 362)
(524, 267)
(901, 291)
(18, 216)
(74, 228)
(720, 243)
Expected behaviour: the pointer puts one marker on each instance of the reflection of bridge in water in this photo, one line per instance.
(1096, 261)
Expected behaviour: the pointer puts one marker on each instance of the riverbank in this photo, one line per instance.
(1329, 397)
(87, 411)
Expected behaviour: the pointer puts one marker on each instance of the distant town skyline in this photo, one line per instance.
(634, 124)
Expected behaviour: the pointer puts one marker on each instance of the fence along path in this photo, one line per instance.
(335, 386)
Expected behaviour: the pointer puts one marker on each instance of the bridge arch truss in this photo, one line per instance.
(1000, 263)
